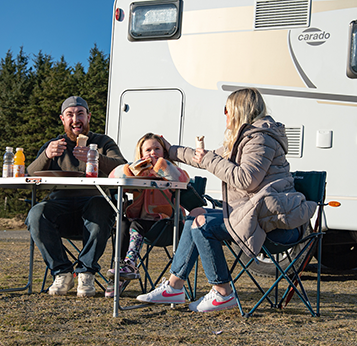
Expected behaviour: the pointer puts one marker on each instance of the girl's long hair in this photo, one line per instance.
(244, 106)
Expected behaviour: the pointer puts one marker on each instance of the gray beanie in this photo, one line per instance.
(74, 101)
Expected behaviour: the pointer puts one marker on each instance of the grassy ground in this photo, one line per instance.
(40, 319)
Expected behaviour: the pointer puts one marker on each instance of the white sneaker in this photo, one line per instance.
(213, 301)
(85, 285)
(164, 294)
(62, 284)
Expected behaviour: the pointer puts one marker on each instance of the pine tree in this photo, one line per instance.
(15, 89)
(95, 88)
(53, 86)
(16, 86)
(34, 114)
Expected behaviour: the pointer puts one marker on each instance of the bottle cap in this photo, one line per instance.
(9, 148)
(93, 146)
(21, 149)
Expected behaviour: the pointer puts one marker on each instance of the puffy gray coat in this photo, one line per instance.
(257, 187)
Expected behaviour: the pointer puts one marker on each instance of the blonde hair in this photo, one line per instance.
(143, 139)
(244, 106)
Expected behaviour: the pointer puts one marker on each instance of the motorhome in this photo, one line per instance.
(173, 63)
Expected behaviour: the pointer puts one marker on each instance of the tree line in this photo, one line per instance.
(31, 94)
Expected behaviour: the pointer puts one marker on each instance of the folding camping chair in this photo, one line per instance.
(76, 250)
(161, 235)
(312, 185)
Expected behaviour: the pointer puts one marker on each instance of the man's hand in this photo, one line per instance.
(56, 148)
(80, 153)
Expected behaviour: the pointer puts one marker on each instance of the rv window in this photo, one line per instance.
(154, 20)
(352, 61)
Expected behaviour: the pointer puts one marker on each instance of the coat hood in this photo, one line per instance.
(270, 127)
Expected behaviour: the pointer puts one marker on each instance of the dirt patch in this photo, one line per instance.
(16, 223)
(40, 319)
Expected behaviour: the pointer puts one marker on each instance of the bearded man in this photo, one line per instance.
(83, 214)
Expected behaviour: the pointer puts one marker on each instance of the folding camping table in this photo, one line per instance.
(47, 183)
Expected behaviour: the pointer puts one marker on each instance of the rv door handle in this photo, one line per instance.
(125, 108)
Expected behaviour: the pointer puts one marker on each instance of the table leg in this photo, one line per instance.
(176, 226)
(176, 221)
(117, 250)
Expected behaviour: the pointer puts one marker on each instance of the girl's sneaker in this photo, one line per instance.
(109, 291)
(111, 274)
(129, 272)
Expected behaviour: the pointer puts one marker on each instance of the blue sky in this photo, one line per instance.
(66, 27)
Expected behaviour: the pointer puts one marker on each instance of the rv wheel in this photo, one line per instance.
(265, 267)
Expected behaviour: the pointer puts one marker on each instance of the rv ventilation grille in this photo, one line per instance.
(295, 135)
(277, 14)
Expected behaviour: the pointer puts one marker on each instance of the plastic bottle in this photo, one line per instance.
(92, 166)
(8, 164)
(19, 163)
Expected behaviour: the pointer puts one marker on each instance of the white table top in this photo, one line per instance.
(85, 183)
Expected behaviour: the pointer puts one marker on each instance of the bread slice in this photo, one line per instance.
(82, 140)
(140, 166)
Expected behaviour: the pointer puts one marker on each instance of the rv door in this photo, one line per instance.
(149, 110)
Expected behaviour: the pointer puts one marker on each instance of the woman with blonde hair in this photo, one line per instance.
(258, 199)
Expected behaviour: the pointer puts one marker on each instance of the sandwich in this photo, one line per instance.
(200, 144)
(139, 166)
(82, 140)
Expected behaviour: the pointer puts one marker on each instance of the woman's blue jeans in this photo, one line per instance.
(206, 242)
(89, 219)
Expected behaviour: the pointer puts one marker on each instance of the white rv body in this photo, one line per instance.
(178, 87)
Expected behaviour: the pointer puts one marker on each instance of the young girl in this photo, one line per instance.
(148, 206)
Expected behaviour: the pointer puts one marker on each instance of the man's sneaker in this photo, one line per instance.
(213, 301)
(109, 291)
(85, 285)
(164, 294)
(62, 284)
(128, 271)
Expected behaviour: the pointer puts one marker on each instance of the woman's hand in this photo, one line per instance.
(167, 144)
(199, 154)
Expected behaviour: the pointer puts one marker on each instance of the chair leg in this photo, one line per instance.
(43, 290)
(28, 286)
(237, 299)
(283, 274)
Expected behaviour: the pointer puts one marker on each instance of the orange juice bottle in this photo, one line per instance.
(19, 163)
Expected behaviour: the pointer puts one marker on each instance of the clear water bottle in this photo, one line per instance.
(8, 164)
(92, 166)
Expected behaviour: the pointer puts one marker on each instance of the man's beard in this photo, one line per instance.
(72, 136)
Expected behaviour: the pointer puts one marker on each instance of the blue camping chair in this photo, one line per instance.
(312, 185)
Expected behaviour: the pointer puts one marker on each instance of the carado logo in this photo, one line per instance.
(314, 36)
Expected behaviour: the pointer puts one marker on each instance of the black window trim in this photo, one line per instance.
(174, 36)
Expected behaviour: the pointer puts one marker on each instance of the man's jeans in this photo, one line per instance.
(87, 218)
(205, 241)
